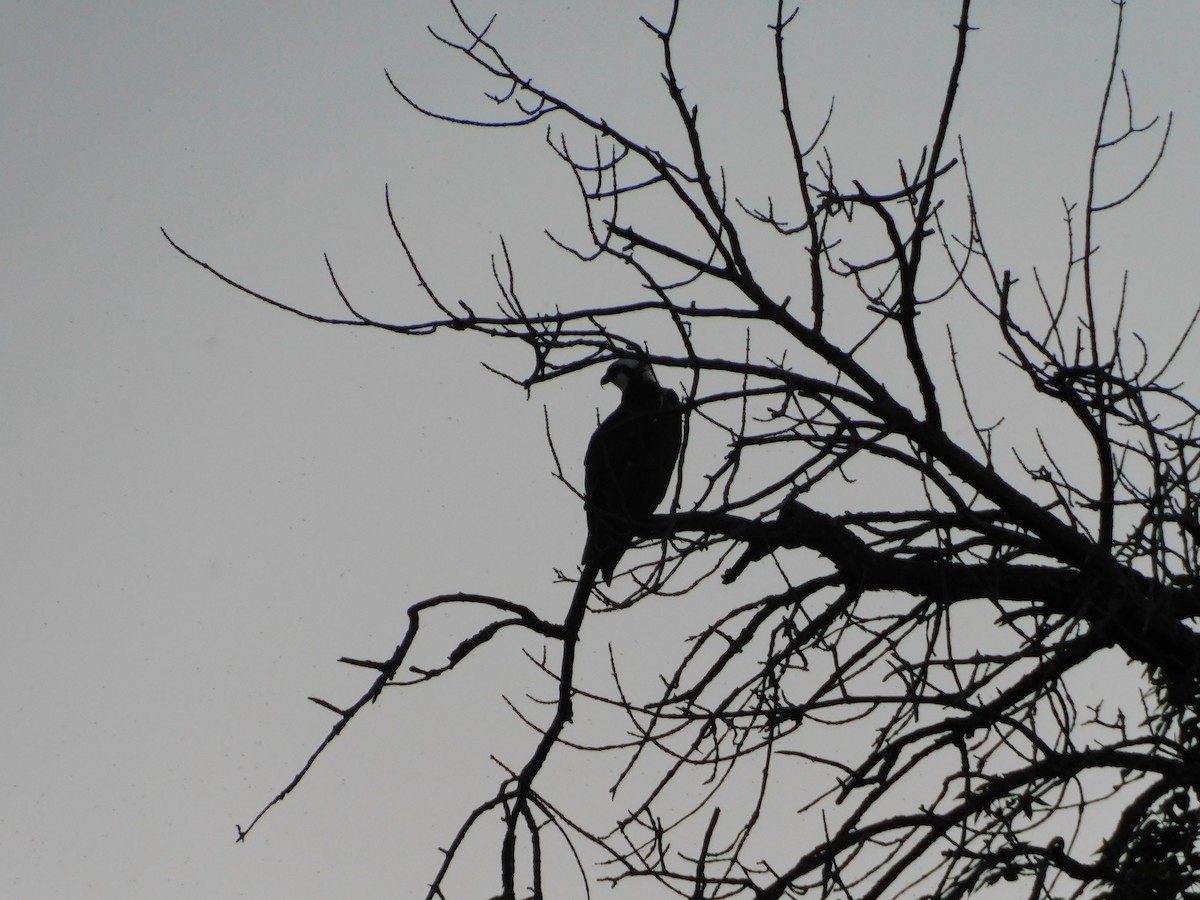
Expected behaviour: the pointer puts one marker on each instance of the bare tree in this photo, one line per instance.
(956, 623)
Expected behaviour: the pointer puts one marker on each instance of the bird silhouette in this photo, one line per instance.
(629, 462)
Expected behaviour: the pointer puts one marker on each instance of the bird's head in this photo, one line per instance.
(623, 372)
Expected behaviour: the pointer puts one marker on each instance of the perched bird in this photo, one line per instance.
(628, 463)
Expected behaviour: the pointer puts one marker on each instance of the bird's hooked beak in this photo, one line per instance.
(618, 375)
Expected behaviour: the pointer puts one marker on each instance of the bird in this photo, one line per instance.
(628, 464)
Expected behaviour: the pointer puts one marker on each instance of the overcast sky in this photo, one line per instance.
(207, 502)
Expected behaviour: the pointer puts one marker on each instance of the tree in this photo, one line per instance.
(955, 620)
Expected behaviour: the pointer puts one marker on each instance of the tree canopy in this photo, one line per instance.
(948, 636)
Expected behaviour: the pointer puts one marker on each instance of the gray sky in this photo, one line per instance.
(207, 501)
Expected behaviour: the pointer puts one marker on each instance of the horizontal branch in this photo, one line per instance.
(1142, 617)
